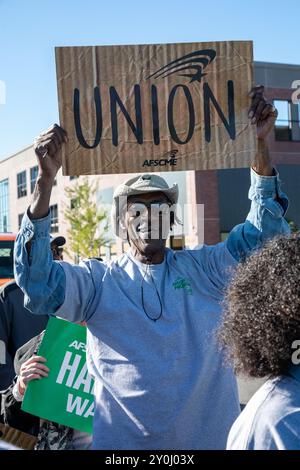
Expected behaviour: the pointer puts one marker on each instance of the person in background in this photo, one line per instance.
(27, 367)
(261, 333)
(17, 324)
(50, 435)
(151, 315)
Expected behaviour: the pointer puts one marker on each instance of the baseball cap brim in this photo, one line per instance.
(58, 241)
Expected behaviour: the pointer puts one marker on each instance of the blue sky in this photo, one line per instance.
(30, 29)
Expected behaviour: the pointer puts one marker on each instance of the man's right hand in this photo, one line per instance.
(47, 147)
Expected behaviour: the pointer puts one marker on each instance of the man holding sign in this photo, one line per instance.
(151, 315)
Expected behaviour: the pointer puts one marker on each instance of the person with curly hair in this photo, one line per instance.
(260, 331)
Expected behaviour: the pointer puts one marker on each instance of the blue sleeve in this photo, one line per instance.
(82, 291)
(41, 279)
(265, 219)
(271, 434)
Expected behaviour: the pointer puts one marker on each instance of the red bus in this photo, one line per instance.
(7, 241)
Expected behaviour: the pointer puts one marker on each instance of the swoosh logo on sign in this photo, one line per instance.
(192, 64)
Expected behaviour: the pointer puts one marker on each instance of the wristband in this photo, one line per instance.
(16, 393)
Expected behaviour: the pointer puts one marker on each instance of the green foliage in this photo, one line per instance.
(84, 236)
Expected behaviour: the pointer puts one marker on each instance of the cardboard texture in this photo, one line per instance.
(20, 439)
(163, 107)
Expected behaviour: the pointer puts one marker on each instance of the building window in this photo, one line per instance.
(113, 249)
(125, 247)
(54, 218)
(33, 176)
(20, 217)
(21, 184)
(4, 206)
(283, 124)
(176, 242)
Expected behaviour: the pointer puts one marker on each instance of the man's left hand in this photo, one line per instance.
(261, 112)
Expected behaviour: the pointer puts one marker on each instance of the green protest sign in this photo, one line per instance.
(66, 395)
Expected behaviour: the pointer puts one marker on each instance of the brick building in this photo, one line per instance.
(230, 200)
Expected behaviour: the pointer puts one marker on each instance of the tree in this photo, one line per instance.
(85, 237)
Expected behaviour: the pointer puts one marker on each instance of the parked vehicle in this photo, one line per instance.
(7, 241)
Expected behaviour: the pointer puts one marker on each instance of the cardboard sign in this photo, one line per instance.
(66, 395)
(161, 107)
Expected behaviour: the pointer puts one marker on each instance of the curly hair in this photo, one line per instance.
(262, 310)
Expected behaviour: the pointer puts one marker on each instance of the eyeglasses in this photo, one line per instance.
(140, 209)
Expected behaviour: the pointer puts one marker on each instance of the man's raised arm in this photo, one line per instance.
(43, 280)
(268, 203)
(48, 152)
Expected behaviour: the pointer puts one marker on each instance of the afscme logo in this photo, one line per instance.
(167, 159)
(161, 162)
(2, 92)
(190, 65)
